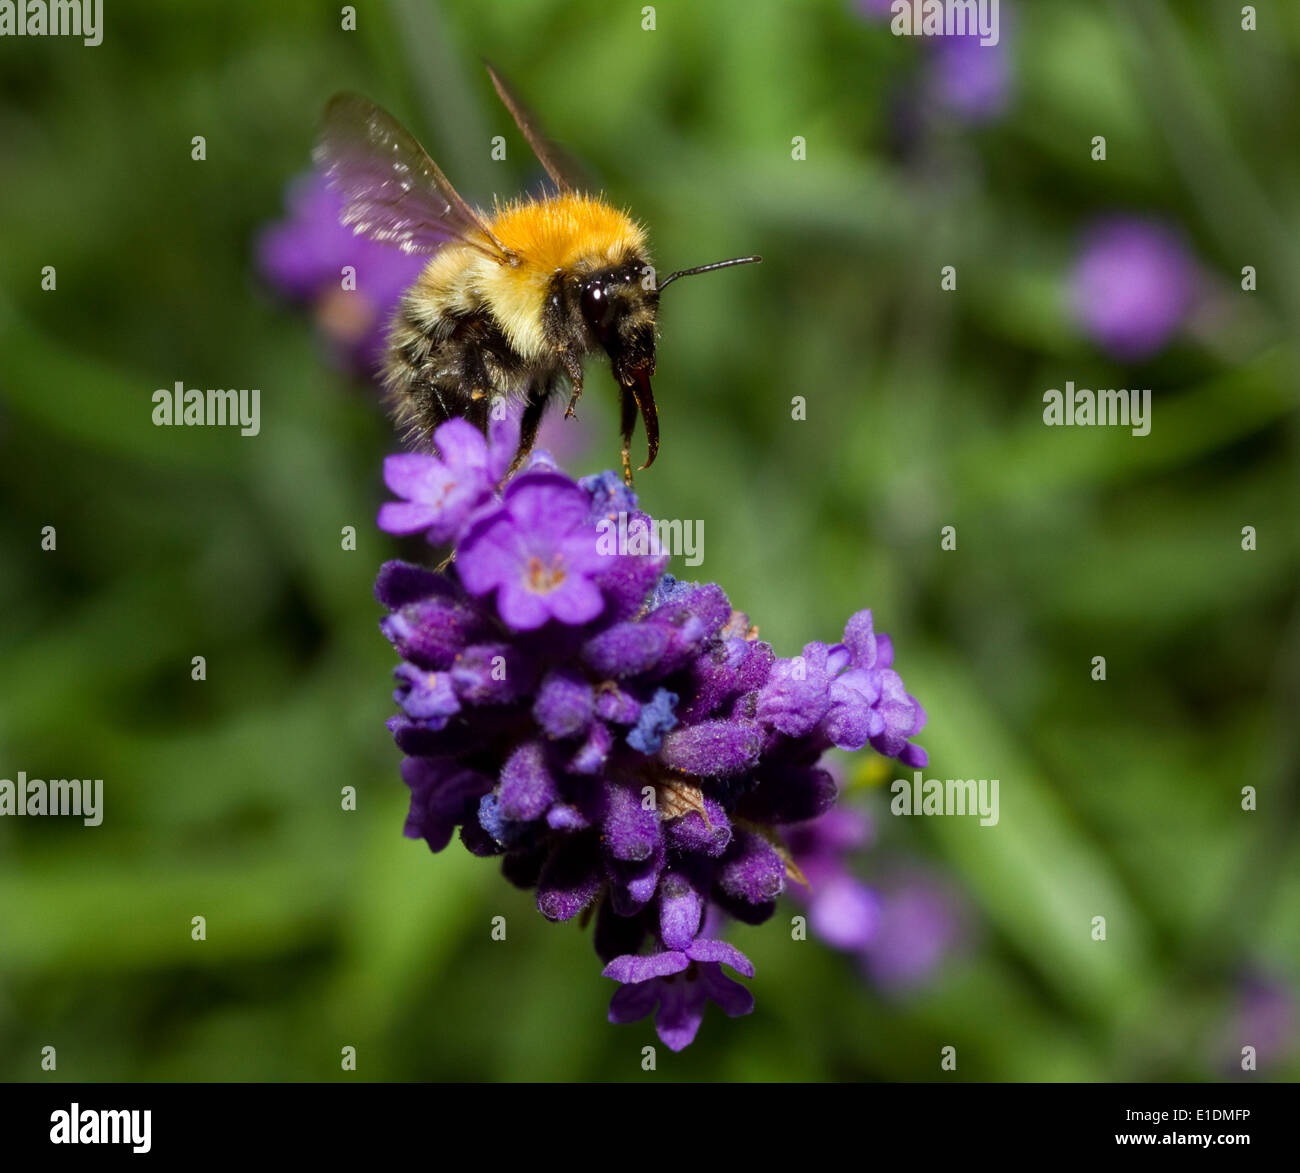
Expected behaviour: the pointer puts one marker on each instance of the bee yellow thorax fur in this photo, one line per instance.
(568, 232)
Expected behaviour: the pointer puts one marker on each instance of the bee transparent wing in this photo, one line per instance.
(392, 191)
(564, 172)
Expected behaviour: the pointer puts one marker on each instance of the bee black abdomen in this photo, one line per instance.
(451, 367)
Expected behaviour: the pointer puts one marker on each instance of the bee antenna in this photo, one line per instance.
(667, 281)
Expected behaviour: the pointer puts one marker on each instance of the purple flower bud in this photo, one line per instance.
(494, 832)
(631, 831)
(860, 640)
(617, 705)
(609, 494)
(528, 785)
(425, 696)
(851, 718)
(681, 907)
(570, 878)
(713, 749)
(442, 795)
(594, 752)
(625, 649)
(632, 884)
(795, 696)
(752, 870)
(902, 715)
(432, 631)
(400, 583)
(731, 667)
(691, 835)
(626, 580)
(789, 794)
(490, 674)
(565, 703)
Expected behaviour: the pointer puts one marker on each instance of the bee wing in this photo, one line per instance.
(564, 172)
(392, 191)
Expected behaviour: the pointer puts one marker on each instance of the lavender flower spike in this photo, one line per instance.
(622, 741)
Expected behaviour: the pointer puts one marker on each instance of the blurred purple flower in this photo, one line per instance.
(1263, 1017)
(970, 80)
(921, 923)
(303, 256)
(842, 910)
(961, 76)
(900, 928)
(1133, 285)
(873, 9)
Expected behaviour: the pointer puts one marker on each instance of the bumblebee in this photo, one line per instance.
(509, 303)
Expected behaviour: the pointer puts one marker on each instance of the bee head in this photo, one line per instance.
(618, 306)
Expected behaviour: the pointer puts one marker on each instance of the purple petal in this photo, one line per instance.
(405, 517)
(681, 1010)
(721, 951)
(632, 968)
(752, 870)
(632, 1003)
(733, 998)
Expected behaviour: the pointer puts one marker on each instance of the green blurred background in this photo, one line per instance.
(326, 928)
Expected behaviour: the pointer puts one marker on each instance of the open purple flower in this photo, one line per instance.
(681, 984)
(442, 490)
(537, 552)
(622, 740)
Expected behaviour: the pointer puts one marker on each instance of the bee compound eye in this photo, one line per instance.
(597, 308)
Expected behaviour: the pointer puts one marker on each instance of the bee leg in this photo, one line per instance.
(573, 368)
(627, 422)
(538, 395)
